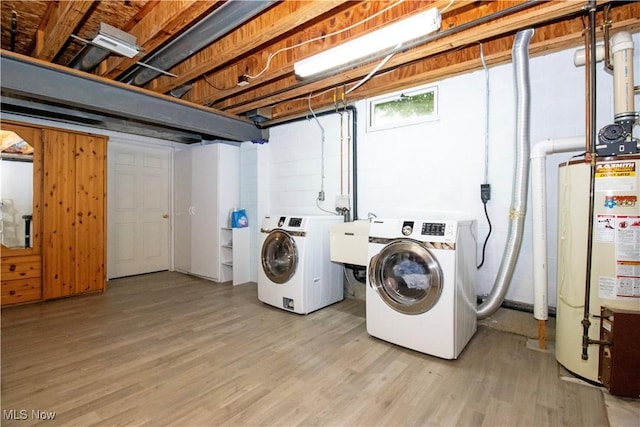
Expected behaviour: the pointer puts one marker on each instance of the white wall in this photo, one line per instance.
(436, 165)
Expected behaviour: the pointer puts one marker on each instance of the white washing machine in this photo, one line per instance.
(296, 273)
(421, 284)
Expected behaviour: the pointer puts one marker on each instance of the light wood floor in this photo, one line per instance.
(169, 349)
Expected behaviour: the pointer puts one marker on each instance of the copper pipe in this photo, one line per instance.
(591, 134)
(606, 25)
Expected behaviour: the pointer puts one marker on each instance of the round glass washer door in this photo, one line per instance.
(406, 276)
(279, 257)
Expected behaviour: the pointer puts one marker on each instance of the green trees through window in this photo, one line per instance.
(404, 108)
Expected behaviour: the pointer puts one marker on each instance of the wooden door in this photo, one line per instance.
(58, 246)
(73, 214)
(138, 219)
(90, 213)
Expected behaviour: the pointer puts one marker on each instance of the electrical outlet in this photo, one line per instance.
(321, 196)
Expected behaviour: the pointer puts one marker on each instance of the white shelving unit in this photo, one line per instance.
(234, 255)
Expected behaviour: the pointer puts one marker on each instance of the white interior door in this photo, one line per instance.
(138, 219)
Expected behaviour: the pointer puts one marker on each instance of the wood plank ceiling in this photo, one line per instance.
(264, 47)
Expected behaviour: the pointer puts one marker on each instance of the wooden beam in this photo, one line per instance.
(473, 35)
(61, 20)
(161, 23)
(226, 79)
(269, 25)
(545, 40)
(448, 64)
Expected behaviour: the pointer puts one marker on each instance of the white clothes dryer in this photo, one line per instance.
(421, 284)
(296, 273)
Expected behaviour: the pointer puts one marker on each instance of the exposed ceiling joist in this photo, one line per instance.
(165, 20)
(267, 27)
(54, 32)
(237, 73)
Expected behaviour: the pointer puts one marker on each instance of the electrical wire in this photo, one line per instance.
(447, 7)
(322, 140)
(284, 49)
(368, 76)
(484, 245)
(313, 113)
(214, 86)
(486, 117)
(349, 148)
(486, 150)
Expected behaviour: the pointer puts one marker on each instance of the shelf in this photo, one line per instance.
(237, 241)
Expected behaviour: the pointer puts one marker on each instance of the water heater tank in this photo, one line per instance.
(615, 268)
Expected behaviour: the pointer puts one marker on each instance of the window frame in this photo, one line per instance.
(373, 102)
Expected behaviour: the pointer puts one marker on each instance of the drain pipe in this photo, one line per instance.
(539, 154)
(519, 192)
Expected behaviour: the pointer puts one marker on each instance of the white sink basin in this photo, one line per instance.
(350, 242)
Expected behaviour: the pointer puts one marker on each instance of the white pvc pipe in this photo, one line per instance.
(538, 158)
(622, 61)
(579, 56)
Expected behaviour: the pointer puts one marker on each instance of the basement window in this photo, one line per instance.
(403, 108)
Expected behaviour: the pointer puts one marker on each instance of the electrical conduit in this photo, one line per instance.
(521, 175)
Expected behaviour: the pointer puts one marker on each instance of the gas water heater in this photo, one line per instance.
(598, 320)
(615, 255)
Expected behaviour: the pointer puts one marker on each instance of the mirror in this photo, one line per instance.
(16, 191)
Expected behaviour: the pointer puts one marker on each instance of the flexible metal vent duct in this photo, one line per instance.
(88, 58)
(521, 176)
(220, 22)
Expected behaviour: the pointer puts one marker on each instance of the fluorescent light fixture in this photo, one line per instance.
(387, 37)
(115, 40)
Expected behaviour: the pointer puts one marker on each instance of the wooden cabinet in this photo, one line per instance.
(20, 277)
(68, 241)
(74, 212)
(207, 187)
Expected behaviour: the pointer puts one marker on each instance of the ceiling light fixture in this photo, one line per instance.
(115, 40)
(387, 37)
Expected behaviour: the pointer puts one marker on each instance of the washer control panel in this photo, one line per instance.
(295, 222)
(433, 228)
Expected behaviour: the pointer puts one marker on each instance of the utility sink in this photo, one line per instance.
(349, 242)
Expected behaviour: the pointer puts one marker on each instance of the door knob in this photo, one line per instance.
(165, 216)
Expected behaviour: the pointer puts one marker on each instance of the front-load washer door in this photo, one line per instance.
(407, 276)
(279, 256)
